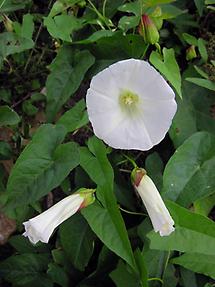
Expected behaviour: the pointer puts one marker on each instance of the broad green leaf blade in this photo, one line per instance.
(62, 26)
(128, 22)
(122, 276)
(73, 65)
(10, 43)
(189, 174)
(194, 233)
(96, 36)
(200, 4)
(25, 268)
(106, 196)
(200, 263)
(190, 39)
(74, 118)
(58, 275)
(202, 49)
(10, 5)
(8, 116)
(42, 166)
(184, 121)
(207, 84)
(168, 67)
(204, 205)
(77, 240)
(27, 26)
(121, 47)
(105, 228)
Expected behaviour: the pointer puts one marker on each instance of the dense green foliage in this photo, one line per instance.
(49, 51)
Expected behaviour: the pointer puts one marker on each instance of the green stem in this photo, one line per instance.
(2, 3)
(131, 160)
(103, 7)
(131, 212)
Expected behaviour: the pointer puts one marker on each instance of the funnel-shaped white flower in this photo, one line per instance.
(41, 227)
(130, 105)
(158, 213)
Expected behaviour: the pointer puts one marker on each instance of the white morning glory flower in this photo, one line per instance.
(130, 105)
(41, 227)
(160, 217)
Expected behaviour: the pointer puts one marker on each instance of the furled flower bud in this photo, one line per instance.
(191, 53)
(8, 23)
(161, 219)
(41, 227)
(148, 30)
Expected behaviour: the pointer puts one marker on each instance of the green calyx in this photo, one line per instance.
(88, 195)
(136, 175)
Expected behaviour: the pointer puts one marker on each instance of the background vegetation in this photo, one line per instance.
(49, 51)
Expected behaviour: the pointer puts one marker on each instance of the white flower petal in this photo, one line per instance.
(157, 118)
(161, 219)
(130, 105)
(41, 227)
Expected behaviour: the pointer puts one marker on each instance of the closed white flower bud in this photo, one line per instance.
(41, 227)
(160, 217)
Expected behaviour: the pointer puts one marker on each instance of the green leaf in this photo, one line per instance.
(122, 276)
(42, 166)
(169, 277)
(62, 26)
(200, 263)
(8, 116)
(128, 22)
(105, 193)
(10, 5)
(5, 151)
(58, 275)
(132, 7)
(105, 228)
(61, 86)
(200, 4)
(74, 118)
(168, 67)
(154, 167)
(184, 122)
(190, 39)
(207, 84)
(121, 47)
(10, 43)
(194, 233)
(188, 278)
(23, 245)
(189, 174)
(170, 11)
(26, 29)
(76, 231)
(24, 269)
(202, 49)
(96, 36)
(27, 26)
(203, 206)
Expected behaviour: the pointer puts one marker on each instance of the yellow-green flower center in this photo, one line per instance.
(128, 100)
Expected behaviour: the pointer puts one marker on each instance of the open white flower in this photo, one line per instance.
(130, 105)
(41, 227)
(158, 213)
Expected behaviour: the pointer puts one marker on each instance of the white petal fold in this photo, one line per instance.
(41, 227)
